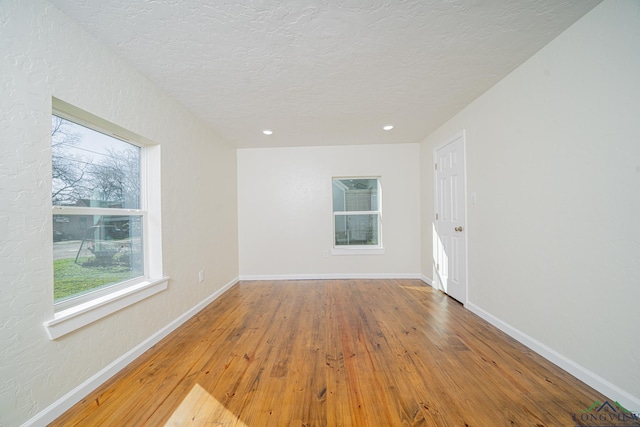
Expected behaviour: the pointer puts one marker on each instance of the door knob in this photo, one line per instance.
(458, 229)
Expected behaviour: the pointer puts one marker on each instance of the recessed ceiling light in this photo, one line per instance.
(387, 127)
(267, 131)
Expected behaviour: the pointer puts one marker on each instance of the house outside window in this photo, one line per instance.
(357, 213)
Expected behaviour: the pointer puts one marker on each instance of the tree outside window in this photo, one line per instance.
(98, 217)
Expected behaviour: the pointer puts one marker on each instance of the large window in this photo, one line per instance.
(357, 214)
(99, 212)
(107, 241)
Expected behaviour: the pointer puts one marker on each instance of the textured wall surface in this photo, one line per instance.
(325, 72)
(553, 153)
(44, 54)
(285, 209)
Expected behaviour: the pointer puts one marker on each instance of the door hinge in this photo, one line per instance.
(436, 217)
(436, 165)
(437, 266)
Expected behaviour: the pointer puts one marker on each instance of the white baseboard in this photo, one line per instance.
(331, 276)
(593, 380)
(60, 406)
(426, 280)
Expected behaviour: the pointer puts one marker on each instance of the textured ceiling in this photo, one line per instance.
(325, 72)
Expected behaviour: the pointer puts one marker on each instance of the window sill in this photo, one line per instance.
(357, 251)
(71, 319)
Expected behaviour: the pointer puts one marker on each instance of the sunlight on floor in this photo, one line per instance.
(418, 288)
(440, 262)
(199, 408)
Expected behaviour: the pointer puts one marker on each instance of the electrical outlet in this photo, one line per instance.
(201, 276)
(325, 254)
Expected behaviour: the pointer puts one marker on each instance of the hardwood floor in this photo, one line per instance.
(336, 353)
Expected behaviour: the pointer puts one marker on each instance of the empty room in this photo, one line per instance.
(340, 213)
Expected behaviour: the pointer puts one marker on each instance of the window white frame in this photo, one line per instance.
(357, 249)
(79, 311)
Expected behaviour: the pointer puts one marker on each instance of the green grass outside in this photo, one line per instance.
(72, 279)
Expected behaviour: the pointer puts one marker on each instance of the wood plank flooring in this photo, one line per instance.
(336, 353)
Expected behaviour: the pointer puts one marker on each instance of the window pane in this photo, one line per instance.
(356, 230)
(351, 195)
(91, 169)
(94, 251)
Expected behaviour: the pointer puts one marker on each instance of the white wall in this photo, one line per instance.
(285, 210)
(553, 153)
(44, 54)
(554, 240)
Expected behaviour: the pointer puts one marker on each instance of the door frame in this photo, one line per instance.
(458, 135)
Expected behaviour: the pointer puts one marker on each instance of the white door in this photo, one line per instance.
(449, 231)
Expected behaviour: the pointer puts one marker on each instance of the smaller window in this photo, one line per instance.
(357, 213)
